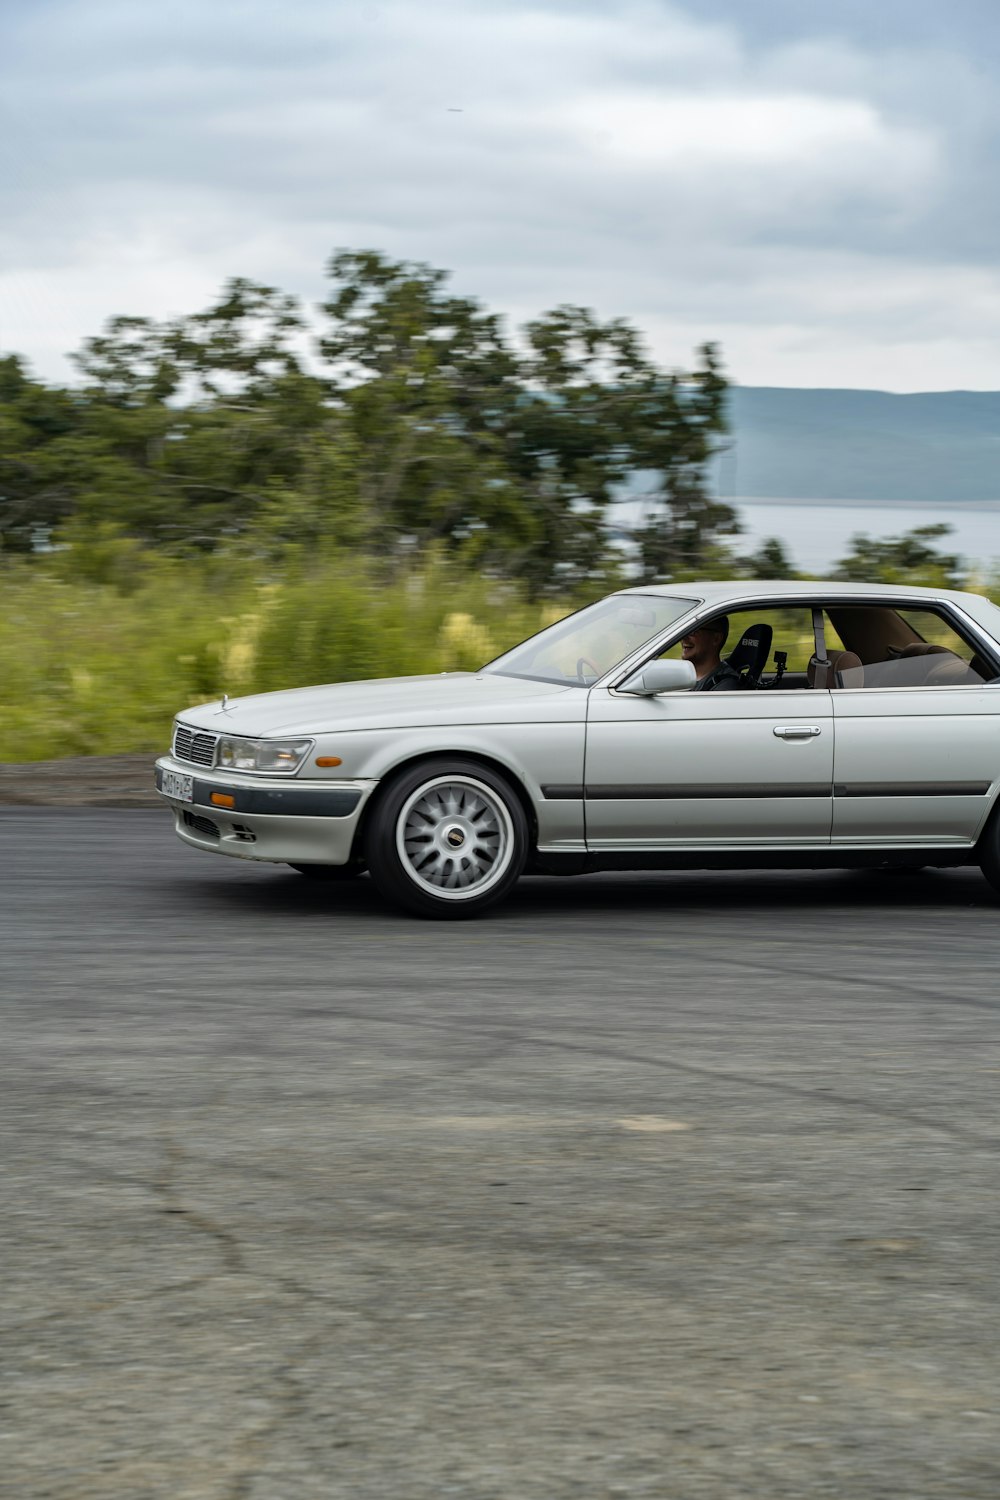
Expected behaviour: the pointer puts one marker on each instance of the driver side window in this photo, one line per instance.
(765, 631)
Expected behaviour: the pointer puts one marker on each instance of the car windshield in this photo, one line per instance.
(580, 649)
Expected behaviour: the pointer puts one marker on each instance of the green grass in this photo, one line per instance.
(99, 664)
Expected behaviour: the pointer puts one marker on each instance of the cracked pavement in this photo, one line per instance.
(668, 1186)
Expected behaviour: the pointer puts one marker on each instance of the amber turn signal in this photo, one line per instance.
(329, 760)
(223, 799)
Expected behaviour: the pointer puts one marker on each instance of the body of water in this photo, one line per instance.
(817, 534)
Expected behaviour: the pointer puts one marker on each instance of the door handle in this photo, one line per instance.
(797, 731)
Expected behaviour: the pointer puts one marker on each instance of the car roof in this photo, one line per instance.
(750, 589)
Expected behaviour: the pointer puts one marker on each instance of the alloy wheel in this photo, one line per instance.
(454, 838)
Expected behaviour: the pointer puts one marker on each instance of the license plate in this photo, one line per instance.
(180, 787)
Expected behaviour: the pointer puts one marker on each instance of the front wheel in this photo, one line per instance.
(448, 839)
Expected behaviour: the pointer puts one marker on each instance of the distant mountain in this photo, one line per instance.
(787, 444)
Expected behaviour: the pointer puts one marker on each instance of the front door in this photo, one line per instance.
(723, 769)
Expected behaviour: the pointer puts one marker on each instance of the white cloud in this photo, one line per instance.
(820, 207)
(731, 131)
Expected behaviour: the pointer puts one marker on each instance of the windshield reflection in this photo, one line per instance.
(576, 651)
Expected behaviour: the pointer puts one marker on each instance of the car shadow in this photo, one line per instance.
(275, 892)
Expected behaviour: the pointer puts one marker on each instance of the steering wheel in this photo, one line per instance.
(584, 665)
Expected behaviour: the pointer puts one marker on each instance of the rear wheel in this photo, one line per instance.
(448, 839)
(989, 852)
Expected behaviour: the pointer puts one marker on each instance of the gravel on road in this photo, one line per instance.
(80, 781)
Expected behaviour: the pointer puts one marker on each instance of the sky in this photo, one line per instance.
(812, 185)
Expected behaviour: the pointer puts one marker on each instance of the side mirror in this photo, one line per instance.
(660, 677)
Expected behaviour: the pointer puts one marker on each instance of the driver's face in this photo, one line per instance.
(696, 643)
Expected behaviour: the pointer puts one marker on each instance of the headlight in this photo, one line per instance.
(238, 755)
(276, 757)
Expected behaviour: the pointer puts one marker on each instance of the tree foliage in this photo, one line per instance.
(910, 558)
(407, 418)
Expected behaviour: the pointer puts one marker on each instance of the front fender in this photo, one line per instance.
(539, 756)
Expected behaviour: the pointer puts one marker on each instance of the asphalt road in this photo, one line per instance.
(660, 1186)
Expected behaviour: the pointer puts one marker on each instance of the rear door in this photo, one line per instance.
(917, 739)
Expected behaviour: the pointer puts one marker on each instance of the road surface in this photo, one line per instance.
(669, 1186)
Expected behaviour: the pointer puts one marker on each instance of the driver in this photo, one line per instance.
(702, 647)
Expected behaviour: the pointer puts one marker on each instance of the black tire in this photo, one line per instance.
(329, 872)
(447, 839)
(989, 852)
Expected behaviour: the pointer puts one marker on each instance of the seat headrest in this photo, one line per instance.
(951, 671)
(749, 655)
(918, 648)
(833, 675)
(846, 669)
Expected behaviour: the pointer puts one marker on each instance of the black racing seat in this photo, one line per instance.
(749, 655)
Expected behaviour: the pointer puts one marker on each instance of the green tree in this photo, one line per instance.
(221, 430)
(40, 427)
(910, 558)
(423, 425)
(681, 422)
(426, 382)
(573, 439)
(515, 457)
(771, 560)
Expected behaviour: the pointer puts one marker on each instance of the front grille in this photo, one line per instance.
(194, 745)
(201, 825)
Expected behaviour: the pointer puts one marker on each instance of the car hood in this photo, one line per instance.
(405, 702)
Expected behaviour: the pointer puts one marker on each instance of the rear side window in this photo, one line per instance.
(903, 648)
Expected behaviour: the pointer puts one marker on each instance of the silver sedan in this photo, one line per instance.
(722, 725)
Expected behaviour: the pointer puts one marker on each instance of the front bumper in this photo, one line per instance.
(281, 819)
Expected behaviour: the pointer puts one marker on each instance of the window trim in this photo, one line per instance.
(969, 629)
